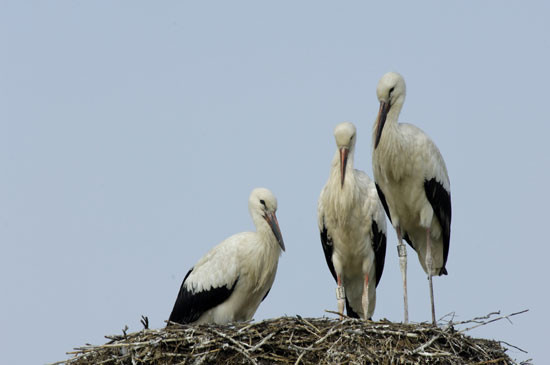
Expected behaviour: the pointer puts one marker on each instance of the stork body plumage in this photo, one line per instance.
(353, 229)
(233, 278)
(413, 184)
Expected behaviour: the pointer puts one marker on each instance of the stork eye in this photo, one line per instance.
(263, 203)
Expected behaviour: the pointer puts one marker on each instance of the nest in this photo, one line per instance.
(295, 340)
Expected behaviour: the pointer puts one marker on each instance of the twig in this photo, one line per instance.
(243, 352)
(384, 332)
(309, 324)
(145, 322)
(517, 348)
(239, 345)
(493, 320)
(300, 358)
(261, 343)
(341, 315)
(428, 354)
(494, 361)
(477, 319)
(423, 347)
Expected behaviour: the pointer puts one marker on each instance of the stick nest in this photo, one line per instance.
(295, 340)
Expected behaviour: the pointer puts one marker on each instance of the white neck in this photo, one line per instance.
(340, 198)
(265, 252)
(391, 147)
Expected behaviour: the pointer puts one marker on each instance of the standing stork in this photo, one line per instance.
(232, 279)
(353, 229)
(413, 184)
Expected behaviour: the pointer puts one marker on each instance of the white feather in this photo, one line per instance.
(248, 258)
(347, 212)
(403, 160)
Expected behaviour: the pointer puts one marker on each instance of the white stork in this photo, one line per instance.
(353, 229)
(232, 279)
(413, 184)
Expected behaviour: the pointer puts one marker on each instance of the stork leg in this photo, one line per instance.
(402, 251)
(365, 297)
(341, 297)
(429, 265)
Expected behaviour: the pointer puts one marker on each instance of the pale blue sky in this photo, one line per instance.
(131, 134)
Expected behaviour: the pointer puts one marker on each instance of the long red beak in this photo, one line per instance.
(343, 161)
(274, 224)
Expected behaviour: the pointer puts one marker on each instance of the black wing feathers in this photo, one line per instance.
(383, 200)
(190, 306)
(326, 242)
(379, 246)
(268, 290)
(351, 313)
(408, 240)
(440, 200)
(385, 205)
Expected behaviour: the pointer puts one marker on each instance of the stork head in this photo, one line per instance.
(391, 94)
(262, 205)
(344, 133)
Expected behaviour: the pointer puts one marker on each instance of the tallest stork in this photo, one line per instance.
(413, 185)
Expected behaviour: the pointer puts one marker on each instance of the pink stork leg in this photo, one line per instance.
(340, 296)
(402, 251)
(365, 297)
(429, 266)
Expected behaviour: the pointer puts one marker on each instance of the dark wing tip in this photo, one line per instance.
(190, 306)
(265, 296)
(382, 198)
(379, 247)
(440, 200)
(326, 242)
(351, 313)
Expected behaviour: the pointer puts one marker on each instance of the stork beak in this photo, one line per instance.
(271, 218)
(381, 120)
(343, 161)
